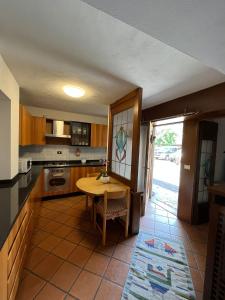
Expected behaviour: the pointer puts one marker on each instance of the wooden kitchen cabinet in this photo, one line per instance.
(99, 135)
(76, 173)
(214, 284)
(25, 126)
(79, 172)
(91, 170)
(32, 129)
(38, 130)
(15, 248)
(13, 253)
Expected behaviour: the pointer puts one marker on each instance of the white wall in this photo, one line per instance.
(9, 150)
(65, 116)
(220, 155)
(5, 137)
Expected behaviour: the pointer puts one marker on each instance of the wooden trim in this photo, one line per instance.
(207, 101)
(136, 140)
(110, 133)
(129, 96)
(135, 212)
(149, 164)
(119, 178)
(188, 177)
(211, 115)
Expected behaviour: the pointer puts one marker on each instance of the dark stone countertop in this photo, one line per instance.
(68, 163)
(12, 199)
(13, 195)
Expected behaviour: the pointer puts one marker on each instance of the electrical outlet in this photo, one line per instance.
(59, 152)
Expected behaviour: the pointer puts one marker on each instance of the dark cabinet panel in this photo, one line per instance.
(214, 286)
(205, 168)
(80, 134)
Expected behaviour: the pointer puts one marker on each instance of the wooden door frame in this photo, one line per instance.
(151, 155)
(149, 166)
(133, 99)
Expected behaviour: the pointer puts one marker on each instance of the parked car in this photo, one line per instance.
(164, 152)
(175, 156)
(161, 154)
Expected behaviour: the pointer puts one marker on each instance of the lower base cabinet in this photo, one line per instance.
(14, 250)
(79, 172)
(214, 285)
(75, 174)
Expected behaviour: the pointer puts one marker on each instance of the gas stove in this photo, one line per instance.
(57, 164)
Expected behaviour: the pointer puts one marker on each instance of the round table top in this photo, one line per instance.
(91, 186)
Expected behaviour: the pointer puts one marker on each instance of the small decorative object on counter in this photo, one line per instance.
(103, 176)
(83, 161)
(77, 152)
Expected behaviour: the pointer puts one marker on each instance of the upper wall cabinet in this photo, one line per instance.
(80, 134)
(25, 126)
(32, 129)
(99, 135)
(38, 130)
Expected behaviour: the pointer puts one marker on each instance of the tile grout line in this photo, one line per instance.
(81, 269)
(115, 243)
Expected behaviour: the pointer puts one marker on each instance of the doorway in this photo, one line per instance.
(166, 156)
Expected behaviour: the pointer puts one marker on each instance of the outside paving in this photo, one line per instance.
(165, 186)
(166, 168)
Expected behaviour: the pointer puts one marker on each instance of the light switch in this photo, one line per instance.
(187, 167)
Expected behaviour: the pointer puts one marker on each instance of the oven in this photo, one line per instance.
(57, 180)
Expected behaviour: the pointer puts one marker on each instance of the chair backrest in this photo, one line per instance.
(120, 195)
(95, 174)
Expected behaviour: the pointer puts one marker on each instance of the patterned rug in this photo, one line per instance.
(158, 271)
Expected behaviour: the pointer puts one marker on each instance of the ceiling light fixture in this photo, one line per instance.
(73, 91)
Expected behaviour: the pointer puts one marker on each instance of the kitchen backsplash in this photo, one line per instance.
(49, 152)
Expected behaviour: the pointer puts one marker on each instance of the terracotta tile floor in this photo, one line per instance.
(66, 259)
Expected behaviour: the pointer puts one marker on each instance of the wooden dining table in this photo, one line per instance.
(95, 188)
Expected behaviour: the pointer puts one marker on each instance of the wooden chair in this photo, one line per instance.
(114, 205)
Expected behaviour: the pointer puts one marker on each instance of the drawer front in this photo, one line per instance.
(13, 284)
(17, 225)
(17, 243)
(19, 260)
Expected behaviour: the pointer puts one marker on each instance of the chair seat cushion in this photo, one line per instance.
(115, 208)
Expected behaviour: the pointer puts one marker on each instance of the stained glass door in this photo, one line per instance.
(123, 143)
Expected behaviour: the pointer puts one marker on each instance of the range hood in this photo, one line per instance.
(58, 130)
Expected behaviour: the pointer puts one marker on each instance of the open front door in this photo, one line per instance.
(123, 148)
(149, 171)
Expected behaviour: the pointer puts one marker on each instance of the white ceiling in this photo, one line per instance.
(49, 45)
(194, 27)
